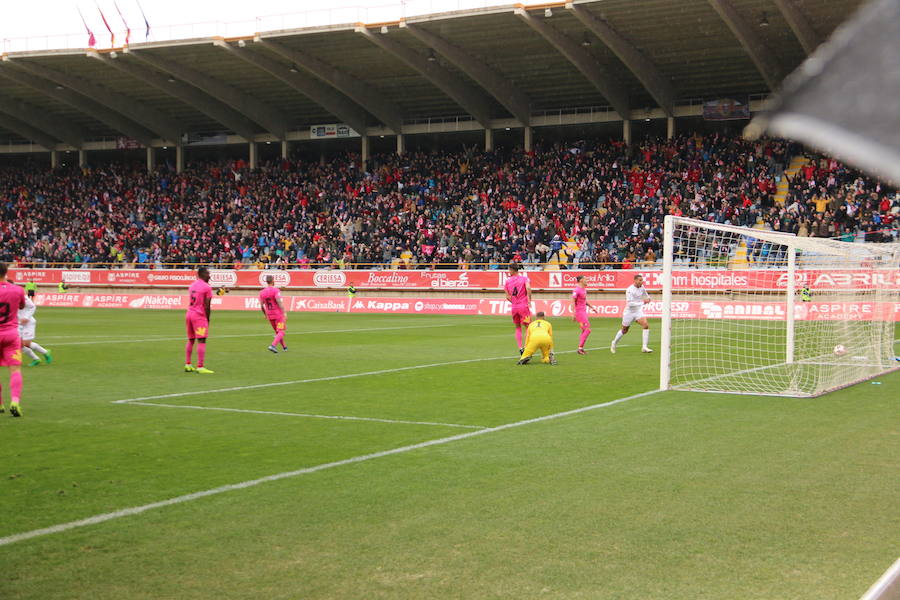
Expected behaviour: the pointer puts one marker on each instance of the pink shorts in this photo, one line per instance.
(582, 318)
(278, 323)
(10, 349)
(521, 315)
(197, 326)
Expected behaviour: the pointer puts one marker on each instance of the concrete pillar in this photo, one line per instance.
(54, 159)
(528, 139)
(488, 140)
(364, 149)
(284, 149)
(179, 158)
(401, 144)
(670, 127)
(254, 158)
(82, 158)
(626, 131)
(151, 159)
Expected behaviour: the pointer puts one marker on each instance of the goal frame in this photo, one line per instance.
(791, 243)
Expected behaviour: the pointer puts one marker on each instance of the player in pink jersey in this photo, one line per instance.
(272, 307)
(197, 321)
(518, 294)
(580, 306)
(12, 299)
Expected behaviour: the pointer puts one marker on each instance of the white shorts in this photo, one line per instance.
(26, 332)
(631, 315)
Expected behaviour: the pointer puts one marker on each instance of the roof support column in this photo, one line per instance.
(670, 127)
(179, 158)
(800, 25)
(364, 150)
(488, 140)
(151, 159)
(401, 144)
(54, 159)
(82, 159)
(254, 156)
(528, 139)
(765, 60)
(626, 131)
(284, 149)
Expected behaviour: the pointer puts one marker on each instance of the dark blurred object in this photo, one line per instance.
(845, 98)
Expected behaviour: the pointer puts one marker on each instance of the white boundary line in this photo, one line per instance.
(136, 510)
(241, 335)
(328, 378)
(886, 582)
(307, 415)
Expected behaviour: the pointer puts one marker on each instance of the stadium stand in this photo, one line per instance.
(594, 204)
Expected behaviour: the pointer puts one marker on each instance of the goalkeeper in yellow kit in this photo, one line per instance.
(540, 336)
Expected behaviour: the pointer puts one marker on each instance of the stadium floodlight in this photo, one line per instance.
(760, 312)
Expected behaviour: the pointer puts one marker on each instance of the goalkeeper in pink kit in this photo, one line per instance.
(273, 308)
(518, 293)
(197, 322)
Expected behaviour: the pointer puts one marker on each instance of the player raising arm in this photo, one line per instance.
(12, 300)
(27, 328)
(518, 294)
(540, 337)
(197, 321)
(636, 297)
(579, 307)
(272, 307)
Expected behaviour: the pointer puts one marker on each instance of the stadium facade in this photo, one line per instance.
(503, 71)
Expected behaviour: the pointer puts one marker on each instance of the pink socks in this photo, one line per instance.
(585, 332)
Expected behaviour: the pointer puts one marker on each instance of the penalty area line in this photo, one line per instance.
(243, 335)
(259, 386)
(307, 415)
(136, 510)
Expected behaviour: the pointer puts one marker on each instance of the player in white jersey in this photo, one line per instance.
(636, 297)
(27, 328)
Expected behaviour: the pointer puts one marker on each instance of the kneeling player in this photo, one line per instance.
(636, 297)
(27, 328)
(271, 306)
(539, 337)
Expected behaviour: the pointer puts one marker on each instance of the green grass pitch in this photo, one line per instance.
(667, 495)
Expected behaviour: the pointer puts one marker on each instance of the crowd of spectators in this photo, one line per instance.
(582, 203)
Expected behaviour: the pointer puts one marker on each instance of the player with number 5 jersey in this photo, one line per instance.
(12, 300)
(197, 321)
(273, 308)
(518, 294)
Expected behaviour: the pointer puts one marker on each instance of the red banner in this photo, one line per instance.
(761, 279)
(685, 309)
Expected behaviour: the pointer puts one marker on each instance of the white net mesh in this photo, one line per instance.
(738, 324)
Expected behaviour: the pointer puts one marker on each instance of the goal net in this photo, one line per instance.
(760, 312)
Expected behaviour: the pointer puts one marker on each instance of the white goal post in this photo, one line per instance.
(753, 311)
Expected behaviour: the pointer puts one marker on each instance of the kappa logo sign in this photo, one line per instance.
(329, 279)
(282, 278)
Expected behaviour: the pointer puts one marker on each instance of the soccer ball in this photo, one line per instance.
(839, 350)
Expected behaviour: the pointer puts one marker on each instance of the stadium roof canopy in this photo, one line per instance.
(491, 67)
